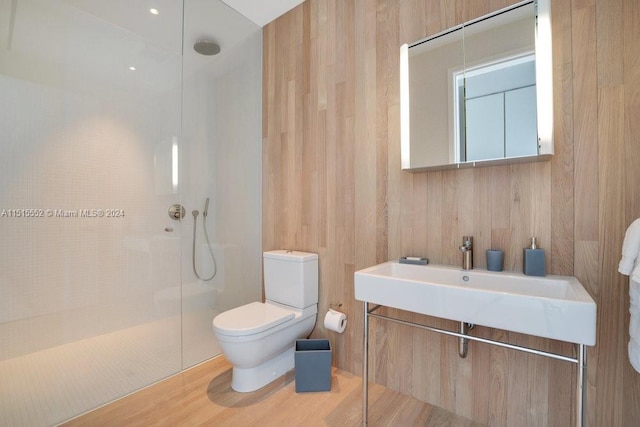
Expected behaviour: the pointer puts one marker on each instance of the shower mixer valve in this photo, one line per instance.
(176, 212)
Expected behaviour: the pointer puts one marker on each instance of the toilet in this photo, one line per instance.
(259, 339)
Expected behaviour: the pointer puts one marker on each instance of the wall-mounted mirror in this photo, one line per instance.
(480, 93)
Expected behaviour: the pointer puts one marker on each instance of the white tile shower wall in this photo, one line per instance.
(63, 277)
(222, 160)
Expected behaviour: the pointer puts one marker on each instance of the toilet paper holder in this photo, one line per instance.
(335, 320)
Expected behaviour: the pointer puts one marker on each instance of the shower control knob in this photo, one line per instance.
(176, 212)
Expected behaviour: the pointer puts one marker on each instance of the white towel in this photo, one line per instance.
(630, 266)
(630, 262)
(634, 325)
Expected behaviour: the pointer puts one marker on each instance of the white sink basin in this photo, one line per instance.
(556, 307)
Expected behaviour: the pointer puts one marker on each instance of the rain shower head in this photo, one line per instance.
(206, 47)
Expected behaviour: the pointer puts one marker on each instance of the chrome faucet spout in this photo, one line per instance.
(467, 252)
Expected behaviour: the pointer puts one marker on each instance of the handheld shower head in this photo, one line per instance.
(206, 208)
(206, 236)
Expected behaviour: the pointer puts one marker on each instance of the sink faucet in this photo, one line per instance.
(467, 252)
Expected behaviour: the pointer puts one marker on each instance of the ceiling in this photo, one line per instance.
(262, 12)
(103, 39)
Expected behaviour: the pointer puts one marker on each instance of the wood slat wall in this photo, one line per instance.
(332, 184)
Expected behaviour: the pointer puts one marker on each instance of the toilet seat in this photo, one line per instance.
(250, 319)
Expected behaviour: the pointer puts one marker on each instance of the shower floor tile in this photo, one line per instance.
(53, 385)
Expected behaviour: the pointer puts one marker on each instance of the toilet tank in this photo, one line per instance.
(291, 278)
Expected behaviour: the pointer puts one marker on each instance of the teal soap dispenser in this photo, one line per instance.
(533, 259)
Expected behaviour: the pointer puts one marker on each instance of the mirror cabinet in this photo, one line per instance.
(480, 93)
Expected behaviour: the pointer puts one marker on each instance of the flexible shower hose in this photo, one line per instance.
(193, 252)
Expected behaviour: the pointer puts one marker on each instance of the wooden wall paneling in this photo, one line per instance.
(448, 369)
(417, 223)
(465, 200)
(410, 26)
(331, 124)
(387, 116)
(328, 103)
(349, 342)
(611, 298)
(269, 148)
(631, 72)
(562, 163)
(562, 385)
(607, 376)
(314, 142)
(450, 13)
(434, 214)
(332, 48)
(520, 212)
(480, 381)
(379, 355)
(398, 191)
(323, 31)
(500, 197)
(365, 155)
(296, 192)
(541, 207)
(518, 387)
(585, 101)
(586, 257)
(399, 184)
(400, 374)
(482, 216)
(471, 10)
(463, 380)
(411, 20)
(631, 52)
(343, 189)
(610, 42)
(498, 384)
(329, 80)
(448, 232)
(425, 365)
(539, 384)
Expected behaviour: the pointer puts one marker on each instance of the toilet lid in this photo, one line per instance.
(250, 319)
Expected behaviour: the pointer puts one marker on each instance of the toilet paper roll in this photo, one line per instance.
(335, 321)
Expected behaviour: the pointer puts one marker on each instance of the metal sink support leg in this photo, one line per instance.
(365, 365)
(581, 392)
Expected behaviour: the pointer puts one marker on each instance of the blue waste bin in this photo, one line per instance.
(313, 365)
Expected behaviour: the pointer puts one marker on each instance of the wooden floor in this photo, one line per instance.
(203, 396)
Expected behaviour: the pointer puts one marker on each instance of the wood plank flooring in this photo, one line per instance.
(203, 396)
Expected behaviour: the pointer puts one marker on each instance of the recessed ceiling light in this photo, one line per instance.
(154, 11)
(132, 68)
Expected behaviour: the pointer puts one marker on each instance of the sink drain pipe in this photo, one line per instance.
(463, 343)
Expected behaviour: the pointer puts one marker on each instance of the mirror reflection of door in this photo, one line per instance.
(499, 115)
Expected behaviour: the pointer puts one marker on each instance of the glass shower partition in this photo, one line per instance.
(221, 162)
(91, 113)
(97, 294)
